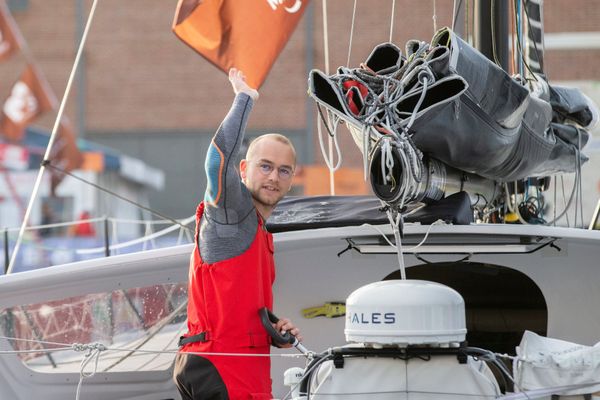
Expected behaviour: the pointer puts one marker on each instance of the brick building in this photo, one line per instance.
(144, 92)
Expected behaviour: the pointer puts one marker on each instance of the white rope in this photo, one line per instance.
(94, 350)
(392, 245)
(118, 246)
(180, 236)
(387, 160)
(392, 19)
(545, 392)
(37, 341)
(562, 184)
(33, 351)
(135, 241)
(454, 14)
(58, 224)
(173, 351)
(424, 81)
(515, 209)
(101, 219)
(328, 158)
(395, 223)
(366, 149)
(147, 234)
(306, 374)
(148, 221)
(51, 140)
(182, 326)
(84, 346)
(326, 57)
(351, 33)
(578, 177)
(325, 37)
(93, 353)
(434, 17)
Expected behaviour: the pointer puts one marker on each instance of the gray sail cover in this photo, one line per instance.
(472, 115)
(315, 212)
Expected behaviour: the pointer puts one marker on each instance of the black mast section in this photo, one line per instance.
(491, 30)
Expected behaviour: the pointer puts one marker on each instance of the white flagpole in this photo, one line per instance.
(38, 181)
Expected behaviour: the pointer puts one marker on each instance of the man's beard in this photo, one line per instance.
(269, 202)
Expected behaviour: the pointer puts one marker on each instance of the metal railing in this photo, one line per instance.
(108, 233)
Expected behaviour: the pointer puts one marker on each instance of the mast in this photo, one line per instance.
(491, 30)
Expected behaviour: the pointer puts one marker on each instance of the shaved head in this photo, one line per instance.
(270, 136)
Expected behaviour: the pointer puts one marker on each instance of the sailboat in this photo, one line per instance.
(107, 328)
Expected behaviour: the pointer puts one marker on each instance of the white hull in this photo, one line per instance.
(310, 273)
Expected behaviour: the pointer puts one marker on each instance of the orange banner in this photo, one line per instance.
(10, 37)
(248, 34)
(29, 97)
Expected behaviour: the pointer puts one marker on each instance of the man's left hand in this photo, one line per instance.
(284, 324)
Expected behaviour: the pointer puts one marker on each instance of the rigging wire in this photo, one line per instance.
(456, 9)
(47, 163)
(580, 188)
(554, 202)
(51, 140)
(472, 22)
(519, 35)
(396, 224)
(326, 57)
(467, 32)
(513, 53)
(351, 33)
(415, 247)
(493, 32)
(78, 346)
(562, 183)
(325, 37)
(392, 19)
(567, 204)
(144, 239)
(332, 131)
(434, 18)
(94, 351)
(522, 61)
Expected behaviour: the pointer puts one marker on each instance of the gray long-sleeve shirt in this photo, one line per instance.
(229, 223)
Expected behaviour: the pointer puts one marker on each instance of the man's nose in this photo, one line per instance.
(274, 175)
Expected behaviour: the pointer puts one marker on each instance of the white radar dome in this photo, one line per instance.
(405, 312)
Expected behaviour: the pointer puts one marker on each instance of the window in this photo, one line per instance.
(148, 318)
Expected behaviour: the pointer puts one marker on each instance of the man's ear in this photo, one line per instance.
(243, 166)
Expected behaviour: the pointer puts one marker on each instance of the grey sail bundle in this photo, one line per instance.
(445, 103)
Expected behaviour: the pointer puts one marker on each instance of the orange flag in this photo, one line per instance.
(29, 97)
(65, 153)
(245, 34)
(10, 37)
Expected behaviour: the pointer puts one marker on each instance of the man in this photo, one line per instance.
(232, 267)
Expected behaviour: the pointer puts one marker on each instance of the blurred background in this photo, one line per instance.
(144, 107)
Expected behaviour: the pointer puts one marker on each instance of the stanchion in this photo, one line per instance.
(6, 255)
(106, 241)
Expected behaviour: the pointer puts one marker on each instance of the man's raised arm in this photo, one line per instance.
(224, 189)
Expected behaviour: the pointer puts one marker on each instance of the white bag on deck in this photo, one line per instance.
(544, 362)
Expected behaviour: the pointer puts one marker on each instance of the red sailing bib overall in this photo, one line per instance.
(223, 301)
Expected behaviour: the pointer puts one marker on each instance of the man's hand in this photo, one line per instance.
(238, 82)
(285, 324)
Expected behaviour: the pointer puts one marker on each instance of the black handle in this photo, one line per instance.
(268, 318)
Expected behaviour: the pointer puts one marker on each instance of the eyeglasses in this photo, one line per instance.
(285, 173)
